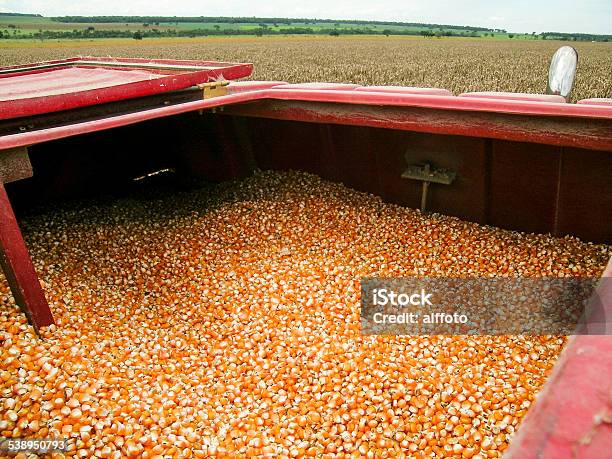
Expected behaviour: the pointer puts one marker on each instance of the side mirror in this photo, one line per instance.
(562, 72)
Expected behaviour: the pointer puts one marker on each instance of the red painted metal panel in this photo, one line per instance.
(60, 85)
(462, 116)
(476, 109)
(406, 90)
(321, 86)
(352, 153)
(585, 196)
(516, 96)
(242, 86)
(596, 101)
(65, 81)
(524, 183)
(18, 267)
(521, 107)
(591, 134)
(291, 145)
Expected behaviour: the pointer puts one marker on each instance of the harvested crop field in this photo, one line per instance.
(457, 64)
(224, 320)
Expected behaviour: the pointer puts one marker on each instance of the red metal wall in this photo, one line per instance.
(519, 186)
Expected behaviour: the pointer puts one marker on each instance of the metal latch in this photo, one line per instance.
(213, 89)
(427, 174)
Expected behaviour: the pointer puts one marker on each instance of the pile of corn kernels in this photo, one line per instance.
(224, 320)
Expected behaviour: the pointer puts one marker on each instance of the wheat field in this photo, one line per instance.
(457, 64)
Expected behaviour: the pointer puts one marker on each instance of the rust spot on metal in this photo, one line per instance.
(15, 165)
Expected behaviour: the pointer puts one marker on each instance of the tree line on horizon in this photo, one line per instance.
(252, 20)
(92, 32)
(153, 26)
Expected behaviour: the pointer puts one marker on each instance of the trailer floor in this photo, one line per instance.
(225, 320)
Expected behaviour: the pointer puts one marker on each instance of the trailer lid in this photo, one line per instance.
(52, 86)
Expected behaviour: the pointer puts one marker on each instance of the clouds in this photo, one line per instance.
(589, 16)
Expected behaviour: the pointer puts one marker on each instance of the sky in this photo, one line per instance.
(586, 16)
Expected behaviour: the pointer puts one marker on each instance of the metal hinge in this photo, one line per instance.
(213, 89)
